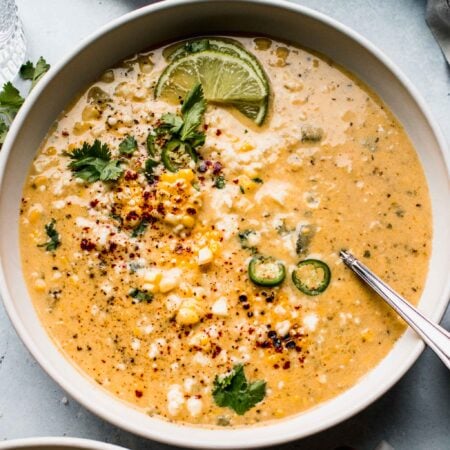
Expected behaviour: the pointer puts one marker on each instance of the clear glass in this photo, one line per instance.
(12, 41)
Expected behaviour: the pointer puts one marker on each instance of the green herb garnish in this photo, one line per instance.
(10, 101)
(258, 180)
(140, 228)
(3, 130)
(128, 146)
(244, 240)
(183, 136)
(139, 295)
(236, 392)
(93, 163)
(34, 73)
(219, 182)
(10, 98)
(53, 237)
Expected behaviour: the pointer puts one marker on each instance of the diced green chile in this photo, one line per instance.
(316, 279)
(266, 271)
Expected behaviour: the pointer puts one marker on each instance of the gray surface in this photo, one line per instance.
(414, 415)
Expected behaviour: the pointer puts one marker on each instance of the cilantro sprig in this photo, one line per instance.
(10, 98)
(92, 162)
(53, 237)
(128, 146)
(178, 137)
(233, 390)
(10, 101)
(34, 73)
(140, 295)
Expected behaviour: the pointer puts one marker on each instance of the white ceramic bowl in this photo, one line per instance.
(56, 443)
(165, 22)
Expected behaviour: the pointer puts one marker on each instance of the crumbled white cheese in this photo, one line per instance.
(135, 344)
(322, 378)
(173, 302)
(220, 307)
(279, 310)
(201, 359)
(189, 384)
(274, 189)
(282, 328)
(205, 256)
(228, 225)
(310, 321)
(194, 406)
(170, 280)
(344, 161)
(155, 348)
(175, 399)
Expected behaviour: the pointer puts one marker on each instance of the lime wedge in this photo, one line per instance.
(254, 111)
(224, 78)
(223, 45)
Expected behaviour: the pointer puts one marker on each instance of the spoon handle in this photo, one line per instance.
(435, 336)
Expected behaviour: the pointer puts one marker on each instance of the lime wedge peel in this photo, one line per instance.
(222, 45)
(229, 75)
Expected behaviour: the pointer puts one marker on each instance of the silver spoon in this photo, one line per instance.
(435, 336)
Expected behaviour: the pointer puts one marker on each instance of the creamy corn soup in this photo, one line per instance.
(194, 272)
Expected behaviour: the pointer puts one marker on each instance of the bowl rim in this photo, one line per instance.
(181, 439)
(70, 443)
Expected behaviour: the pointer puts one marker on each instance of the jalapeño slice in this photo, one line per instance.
(311, 276)
(266, 271)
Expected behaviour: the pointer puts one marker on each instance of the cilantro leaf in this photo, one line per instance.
(41, 69)
(219, 182)
(3, 130)
(139, 295)
(29, 72)
(93, 163)
(172, 123)
(128, 146)
(140, 228)
(53, 242)
(10, 100)
(236, 392)
(193, 108)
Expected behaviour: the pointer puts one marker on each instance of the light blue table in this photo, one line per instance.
(414, 415)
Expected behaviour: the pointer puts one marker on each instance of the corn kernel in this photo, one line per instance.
(90, 113)
(107, 77)
(279, 412)
(152, 275)
(200, 340)
(367, 335)
(35, 212)
(40, 285)
(51, 151)
(246, 147)
(214, 246)
(81, 128)
(187, 316)
(148, 287)
(169, 281)
(40, 180)
(190, 312)
(188, 221)
(246, 183)
(273, 359)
